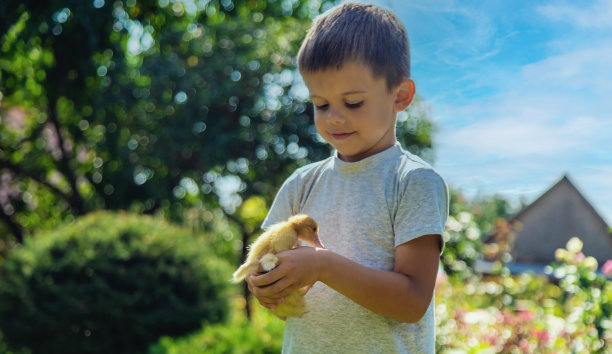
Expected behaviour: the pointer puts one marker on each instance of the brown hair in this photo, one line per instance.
(367, 34)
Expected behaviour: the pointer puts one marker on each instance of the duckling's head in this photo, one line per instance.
(307, 229)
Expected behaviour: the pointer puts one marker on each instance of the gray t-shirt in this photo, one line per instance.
(364, 210)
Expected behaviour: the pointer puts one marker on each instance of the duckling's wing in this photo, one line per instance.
(244, 270)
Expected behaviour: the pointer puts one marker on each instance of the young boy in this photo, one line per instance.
(381, 210)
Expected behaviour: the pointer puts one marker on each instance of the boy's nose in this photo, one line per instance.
(334, 117)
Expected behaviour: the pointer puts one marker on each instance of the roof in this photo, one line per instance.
(564, 180)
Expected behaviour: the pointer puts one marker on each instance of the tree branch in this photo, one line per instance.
(20, 171)
(13, 225)
(245, 244)
(75, 199)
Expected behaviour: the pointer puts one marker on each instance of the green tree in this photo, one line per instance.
(155, 106)
(488, 209)
(146, 105)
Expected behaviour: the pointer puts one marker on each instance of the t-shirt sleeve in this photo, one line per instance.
(285, 203)
(423, 206)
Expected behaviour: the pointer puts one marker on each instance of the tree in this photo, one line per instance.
(170, 107)
(137, 105)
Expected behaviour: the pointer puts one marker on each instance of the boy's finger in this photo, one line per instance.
(278, 289)
(252, 278)
(270, 303)
(266, 279)
(266, 293)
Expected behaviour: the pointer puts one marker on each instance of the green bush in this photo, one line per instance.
(262, 334)
(462, 246)
(528, 313)
(109, 283)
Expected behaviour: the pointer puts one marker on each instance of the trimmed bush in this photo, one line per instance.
(109, 283)
(262, 334)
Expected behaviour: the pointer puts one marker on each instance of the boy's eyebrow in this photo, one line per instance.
(344, 94)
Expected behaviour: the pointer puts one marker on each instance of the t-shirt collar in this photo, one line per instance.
(368, 162)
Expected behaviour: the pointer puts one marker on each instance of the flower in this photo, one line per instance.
(606, 268)
(561, 254)
(574, 245)
(590, 263)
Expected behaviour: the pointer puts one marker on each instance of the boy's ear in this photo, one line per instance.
(405, 94)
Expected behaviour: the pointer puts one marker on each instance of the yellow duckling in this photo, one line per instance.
(281, 237)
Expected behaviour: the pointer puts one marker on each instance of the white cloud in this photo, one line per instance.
(597, 15)
(460, 31)
(554, 117)
(526, 136)
(587, 68)
(521, 93)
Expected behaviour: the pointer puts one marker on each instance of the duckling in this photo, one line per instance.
(280, 237)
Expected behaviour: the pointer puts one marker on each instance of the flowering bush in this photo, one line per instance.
(587, 294)
(462, 246)
(528, 313)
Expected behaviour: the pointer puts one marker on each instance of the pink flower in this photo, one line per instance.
(491, 340)
(524, 345)
(543, 335)
(526, 316)
(606, 268)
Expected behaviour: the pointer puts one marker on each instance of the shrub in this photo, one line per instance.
(109, 283)
(262, 334)
(528, 313)
(462, 246)
(587, 294)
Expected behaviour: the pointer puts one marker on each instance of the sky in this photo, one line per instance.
(521, 92)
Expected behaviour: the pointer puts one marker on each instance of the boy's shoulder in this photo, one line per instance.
(413, 170)
(410, 161)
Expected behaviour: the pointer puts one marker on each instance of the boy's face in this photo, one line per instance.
(354, 111)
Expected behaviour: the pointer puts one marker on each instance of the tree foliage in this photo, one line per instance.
(144, 104)
(155, 106)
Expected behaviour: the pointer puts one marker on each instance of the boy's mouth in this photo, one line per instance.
(341, 136)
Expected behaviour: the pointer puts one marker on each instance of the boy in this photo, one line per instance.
(381, 210)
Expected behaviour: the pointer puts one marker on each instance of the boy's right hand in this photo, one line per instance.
(266, 301)
(296, 268)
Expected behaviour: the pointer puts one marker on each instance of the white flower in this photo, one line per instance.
(453, 225)
(574, 245)
(472, 233)
(465, 217)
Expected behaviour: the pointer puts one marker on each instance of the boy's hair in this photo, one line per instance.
(367, 34)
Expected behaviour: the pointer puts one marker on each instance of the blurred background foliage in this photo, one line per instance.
(110, 283)
(179, 108)
(150, 106)
(192, 111)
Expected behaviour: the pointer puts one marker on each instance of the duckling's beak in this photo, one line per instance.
(317, 241)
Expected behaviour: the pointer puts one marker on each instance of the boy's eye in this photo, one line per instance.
(321, 107)
(353, 105)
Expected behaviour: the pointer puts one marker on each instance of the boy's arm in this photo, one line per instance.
(403, 294)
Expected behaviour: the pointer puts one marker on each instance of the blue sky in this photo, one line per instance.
(521, 92)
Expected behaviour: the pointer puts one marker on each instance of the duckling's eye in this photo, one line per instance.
(314, 229)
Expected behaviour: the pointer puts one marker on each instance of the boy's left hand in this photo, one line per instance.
(296, 268)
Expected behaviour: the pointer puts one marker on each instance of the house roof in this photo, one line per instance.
(563, 181)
